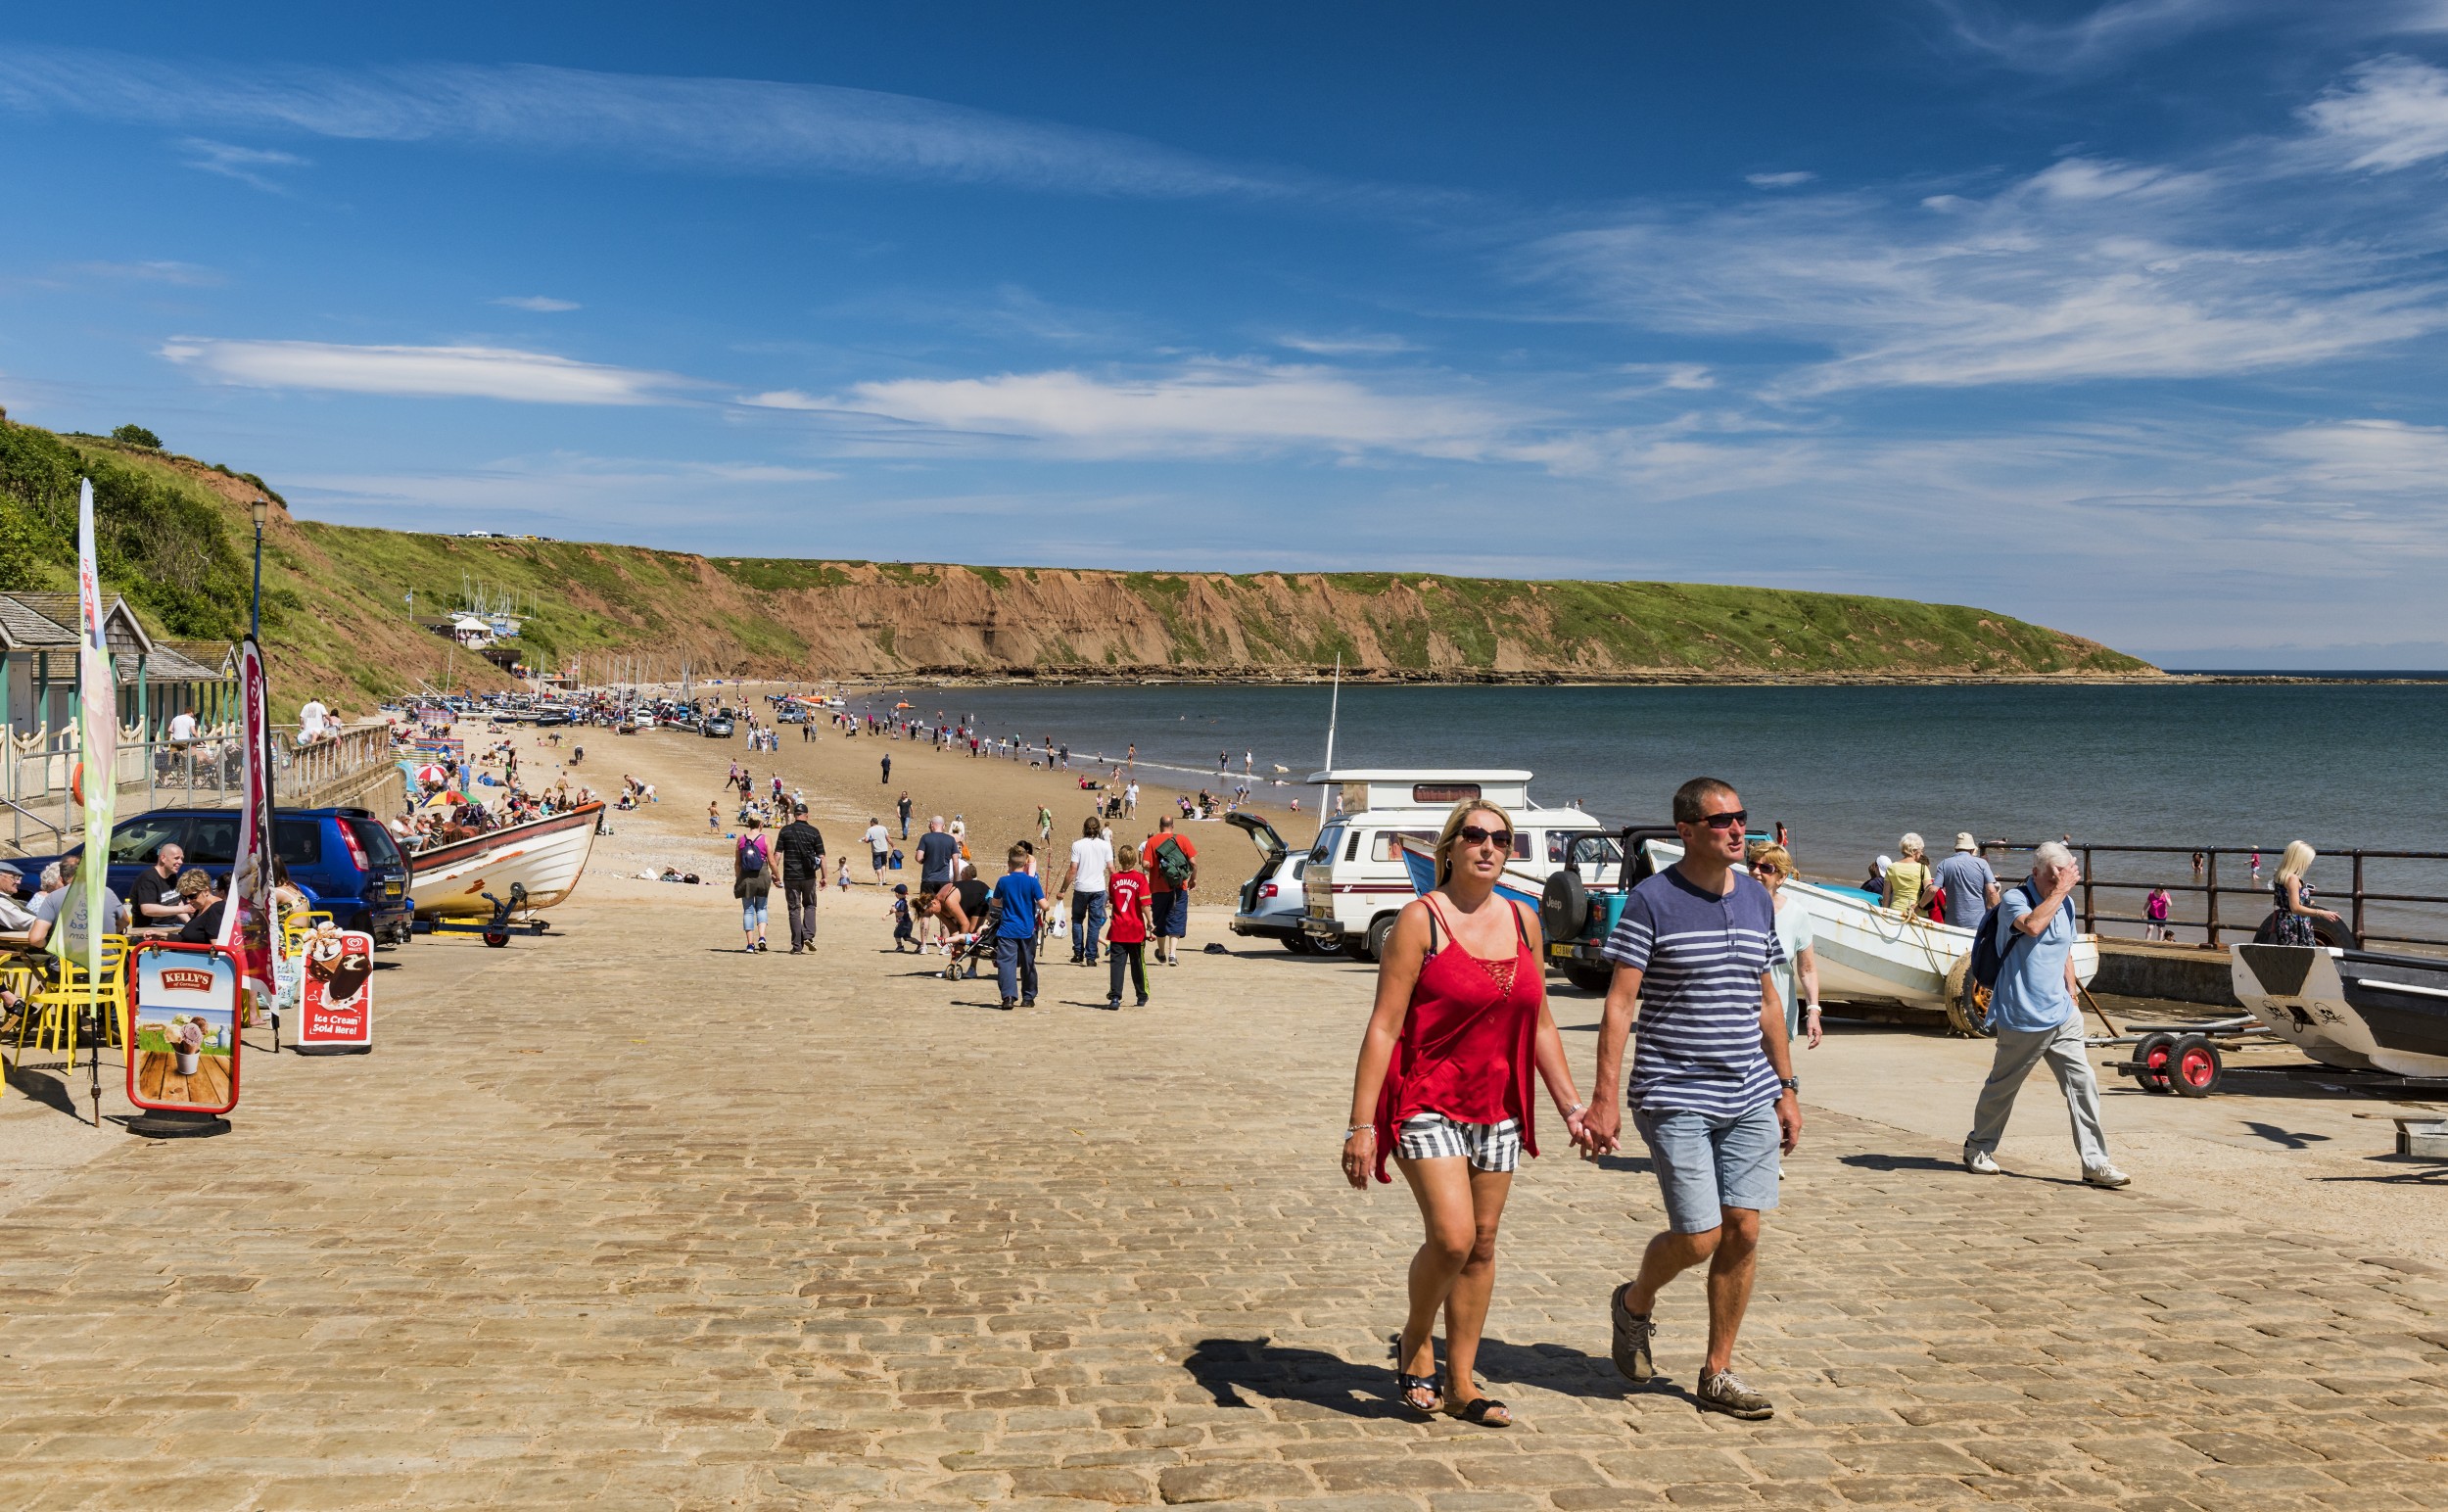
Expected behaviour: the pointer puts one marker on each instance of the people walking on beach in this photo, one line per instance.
(2256, 865)
(1907, 880)
(1712, 1090)
(2290, 892)
(1966, 881)
(2155, 916)
(903, 805)
(752, 879)
(802, 848)
(879, 848)
(2036, 1014)
(888, 769)
(1045, 824)
(1126, 938)
(1172, 864)
(1130, 798)
(903, 932)
(1774, 865)
(1444, 1087)
(1016, 926)
(1086, 879)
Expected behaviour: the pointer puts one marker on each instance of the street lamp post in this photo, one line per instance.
(255, 611)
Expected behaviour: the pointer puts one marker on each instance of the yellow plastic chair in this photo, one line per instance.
(61, 1003)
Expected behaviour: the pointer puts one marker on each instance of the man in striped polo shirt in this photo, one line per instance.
(1712, 1091)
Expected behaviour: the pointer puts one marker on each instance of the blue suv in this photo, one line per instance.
(344, 859)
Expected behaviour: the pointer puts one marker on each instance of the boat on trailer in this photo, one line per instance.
(1868, 951)
(544, 857)
(2359, 1010)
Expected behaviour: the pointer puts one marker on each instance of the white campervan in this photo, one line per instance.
(1356, 880)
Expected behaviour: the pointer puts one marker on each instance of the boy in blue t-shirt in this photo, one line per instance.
(1020, 907)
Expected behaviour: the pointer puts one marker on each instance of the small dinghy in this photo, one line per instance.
(2359, 1010)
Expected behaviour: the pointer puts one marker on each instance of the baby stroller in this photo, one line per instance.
(974, 949)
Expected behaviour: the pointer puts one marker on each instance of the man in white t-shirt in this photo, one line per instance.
(1085, 879)
(182, 732)
(878, 847)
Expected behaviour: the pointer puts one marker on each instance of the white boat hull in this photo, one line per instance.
(2348, 1009)
(1868, 953)
(546, 857)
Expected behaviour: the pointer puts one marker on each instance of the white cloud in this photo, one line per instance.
(2365, 457)
(1349, 344)
(461, 372)
(2391, 113)
(184, 274)
(2101, 38)
(543, 304)
(241, 163)
(1791, 179)
(2085, 269)
(721, 124)
(1208, 409)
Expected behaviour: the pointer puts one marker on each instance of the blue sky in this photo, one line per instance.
(2127, 319)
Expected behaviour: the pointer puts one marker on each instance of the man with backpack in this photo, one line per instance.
(2035, 1010)
(1172, 872)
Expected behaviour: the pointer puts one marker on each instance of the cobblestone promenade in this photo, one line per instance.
(613, 1220)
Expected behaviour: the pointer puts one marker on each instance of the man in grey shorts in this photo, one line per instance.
(1712, 1091)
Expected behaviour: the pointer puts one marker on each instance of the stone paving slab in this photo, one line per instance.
(611, 1221)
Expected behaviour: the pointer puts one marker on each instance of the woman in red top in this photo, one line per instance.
(1444, 1086)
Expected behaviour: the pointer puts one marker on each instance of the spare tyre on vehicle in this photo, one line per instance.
(1564, 907)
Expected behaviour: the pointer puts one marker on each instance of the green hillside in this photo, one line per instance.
(174, 536)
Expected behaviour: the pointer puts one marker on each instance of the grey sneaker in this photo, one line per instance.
(1978, 1162)
(1724, 1392)
(1632, 1333)
(2106, 1176)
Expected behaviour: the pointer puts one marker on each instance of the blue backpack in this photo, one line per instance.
(1989, 958)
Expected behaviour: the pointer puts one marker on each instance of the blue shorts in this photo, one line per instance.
(1706, 1161)
(1171, 911)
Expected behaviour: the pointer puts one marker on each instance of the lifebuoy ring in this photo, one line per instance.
(76, 784)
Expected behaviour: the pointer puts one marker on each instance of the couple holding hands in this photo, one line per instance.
(1461, 1021)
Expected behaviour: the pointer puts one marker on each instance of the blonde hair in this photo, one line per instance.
(2297, 860)
(1446, 837)
(1911, 845)
(1770, 852)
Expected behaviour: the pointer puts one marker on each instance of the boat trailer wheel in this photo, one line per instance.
(2194, 1066)
(496, 938)
(2154, 1061)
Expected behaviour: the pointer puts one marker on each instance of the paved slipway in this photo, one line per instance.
(617, 1219)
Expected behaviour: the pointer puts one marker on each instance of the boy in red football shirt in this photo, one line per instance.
(1126, 897)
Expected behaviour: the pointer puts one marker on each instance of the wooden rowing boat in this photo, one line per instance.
(544, 856)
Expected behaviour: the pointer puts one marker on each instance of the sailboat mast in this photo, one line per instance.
(1334, 712)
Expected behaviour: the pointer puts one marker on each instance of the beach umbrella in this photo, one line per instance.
(430, 773)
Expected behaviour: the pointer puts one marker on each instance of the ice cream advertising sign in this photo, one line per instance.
(336, 991)
(186, 1031)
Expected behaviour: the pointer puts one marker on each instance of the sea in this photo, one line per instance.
(2186, 762)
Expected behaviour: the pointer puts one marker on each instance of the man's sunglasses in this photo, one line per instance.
(1473, 834)
(1733, 820)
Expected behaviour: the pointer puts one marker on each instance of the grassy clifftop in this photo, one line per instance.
(174, 534)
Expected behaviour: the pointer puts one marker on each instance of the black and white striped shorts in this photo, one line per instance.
(1488, 1147)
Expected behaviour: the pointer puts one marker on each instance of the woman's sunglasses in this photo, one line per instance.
(1473, 834)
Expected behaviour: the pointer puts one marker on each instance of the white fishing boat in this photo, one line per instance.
(543, 856)
(1869, 953)
(2357, 1009)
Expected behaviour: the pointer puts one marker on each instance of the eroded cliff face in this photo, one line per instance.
(858, 618)
(334, 617)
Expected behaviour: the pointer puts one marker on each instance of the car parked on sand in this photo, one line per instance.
(717, 728)
(1272, 902)
(343, 859)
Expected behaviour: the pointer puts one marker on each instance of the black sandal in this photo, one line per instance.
(1477, 1409)
(1405, 1385)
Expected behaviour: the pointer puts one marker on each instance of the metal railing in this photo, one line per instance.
(2375, 904)
(202, 772)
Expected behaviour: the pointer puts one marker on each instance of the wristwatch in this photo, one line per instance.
(1792, 1084)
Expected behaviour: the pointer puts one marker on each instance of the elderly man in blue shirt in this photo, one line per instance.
(2036, 1014)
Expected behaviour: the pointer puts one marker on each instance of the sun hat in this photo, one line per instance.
(1964, 841)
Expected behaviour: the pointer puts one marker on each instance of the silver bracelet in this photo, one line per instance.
(1358, 1128)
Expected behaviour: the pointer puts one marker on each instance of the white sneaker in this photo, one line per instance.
(2106, 1176)
(1978, 1162)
